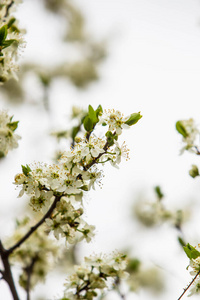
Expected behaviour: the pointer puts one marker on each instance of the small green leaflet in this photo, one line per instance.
(181, 129)
(134, 118)
(191, 252)
(92, 118)
(26, 170)
(3, 34)
(13, 125)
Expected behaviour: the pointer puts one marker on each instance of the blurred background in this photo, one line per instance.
(128, 55)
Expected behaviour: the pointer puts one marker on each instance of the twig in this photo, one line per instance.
(8, 7)
(185, 290)
(29, 271)
(35, 227)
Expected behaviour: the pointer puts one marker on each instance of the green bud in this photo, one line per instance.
(194, 171)
(133, 265)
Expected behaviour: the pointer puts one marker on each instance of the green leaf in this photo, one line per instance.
(11, 22)
(134, 118)
(92, 114)
(158, 191)
(26, 170)
(181, 242)
(181, 129)
(88, 124)
(111, 137)
(3, 34)
(133, 265)
(191, 252)
(99, 111)
(13, 125)
(75, 130)
(7, 43)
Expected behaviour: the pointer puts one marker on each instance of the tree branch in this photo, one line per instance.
(35, 227)
(29, 271)
(185, 290)
(7, 274)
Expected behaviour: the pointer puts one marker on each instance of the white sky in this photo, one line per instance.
(153, 66)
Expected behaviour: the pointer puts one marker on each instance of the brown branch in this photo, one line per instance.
(8, 8)
(185, 290)
(35, 227)
(7, 274)
(29, 271)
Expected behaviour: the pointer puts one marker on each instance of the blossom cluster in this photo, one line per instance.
(189, 131)
(95, 275)
(193, 254)
(64, 184)
(8, 137)
(36, 256)
(11, 41)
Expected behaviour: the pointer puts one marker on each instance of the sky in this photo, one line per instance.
(153, 66)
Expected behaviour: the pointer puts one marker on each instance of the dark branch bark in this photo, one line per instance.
(29, 271)
(7, 274)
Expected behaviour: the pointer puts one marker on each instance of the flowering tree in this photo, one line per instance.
(48, 233)
(56, 191)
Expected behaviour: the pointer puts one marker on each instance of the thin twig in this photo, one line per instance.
(29, 271)
(35, 227)
(185, 290)
(8, 8)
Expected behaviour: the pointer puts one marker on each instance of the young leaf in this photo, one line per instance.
(26, 170)
(99, 111)
(159, 193)
(7, 43)
(191, 252)
(75, 130)
(88, 124)
(3, 34)
(181, 129)
(92, 114)
(13, 125)
(11, 22)
(134, 118)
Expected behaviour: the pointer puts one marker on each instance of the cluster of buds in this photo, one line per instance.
(189, 131)
(8, 137)
(11, 40)
(96, 275)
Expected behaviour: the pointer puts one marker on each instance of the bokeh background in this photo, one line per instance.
(152, 65)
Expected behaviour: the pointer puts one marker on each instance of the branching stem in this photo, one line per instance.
(185, 290)
(35, 227)
(7, 274)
